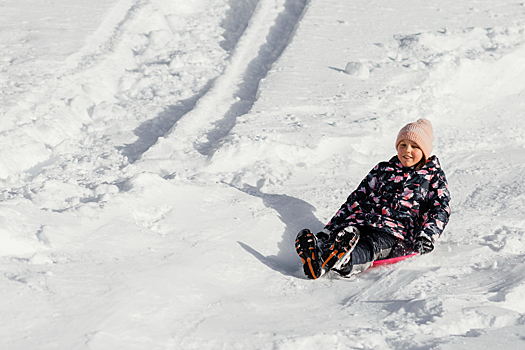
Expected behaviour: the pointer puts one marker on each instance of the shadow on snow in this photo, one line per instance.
(296, 214)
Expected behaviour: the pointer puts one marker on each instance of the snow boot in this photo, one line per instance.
(340, 252)
(306, 247)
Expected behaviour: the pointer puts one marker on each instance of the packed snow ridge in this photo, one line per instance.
(158, 158)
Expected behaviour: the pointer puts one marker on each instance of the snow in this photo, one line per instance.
(158, 158)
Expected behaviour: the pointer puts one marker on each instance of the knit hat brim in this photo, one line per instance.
(419, 132)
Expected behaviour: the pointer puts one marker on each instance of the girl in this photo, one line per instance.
(401, 206)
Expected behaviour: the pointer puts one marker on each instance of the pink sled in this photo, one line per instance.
(392, 260)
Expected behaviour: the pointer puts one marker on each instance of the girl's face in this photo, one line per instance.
(409, 153)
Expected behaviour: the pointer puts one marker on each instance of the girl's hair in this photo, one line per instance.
(421, 163)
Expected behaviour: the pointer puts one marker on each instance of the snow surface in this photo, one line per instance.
(158, 158)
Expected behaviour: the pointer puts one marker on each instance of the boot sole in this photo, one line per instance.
(339, 253)
(306, 247)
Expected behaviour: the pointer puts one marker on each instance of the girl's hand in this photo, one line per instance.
(423, 244)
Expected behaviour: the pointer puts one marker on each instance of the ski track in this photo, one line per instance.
(276, 41)
(233, 93)
(265, 33)
(237, 18)
(123, 12)
(105, 100)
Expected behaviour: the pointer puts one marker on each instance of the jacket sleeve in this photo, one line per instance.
(437, 216)
(354, 200)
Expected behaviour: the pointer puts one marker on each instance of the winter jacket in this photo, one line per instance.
(404, 202)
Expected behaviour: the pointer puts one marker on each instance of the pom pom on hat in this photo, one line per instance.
(419, 132)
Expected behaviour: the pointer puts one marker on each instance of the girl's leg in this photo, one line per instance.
(372, 245)
(337, 251)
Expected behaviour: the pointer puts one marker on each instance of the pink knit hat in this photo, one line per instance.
(419, 132)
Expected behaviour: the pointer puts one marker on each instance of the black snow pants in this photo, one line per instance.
(372, 245)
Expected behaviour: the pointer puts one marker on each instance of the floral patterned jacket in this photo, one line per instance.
(401, 201)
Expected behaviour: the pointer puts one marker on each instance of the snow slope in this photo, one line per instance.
(158, 158)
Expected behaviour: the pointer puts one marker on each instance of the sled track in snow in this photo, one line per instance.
(269, 30)
(278, 38)
(235, 23)
(124, 12)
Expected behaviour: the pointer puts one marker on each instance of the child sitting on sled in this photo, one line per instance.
(401, 206)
